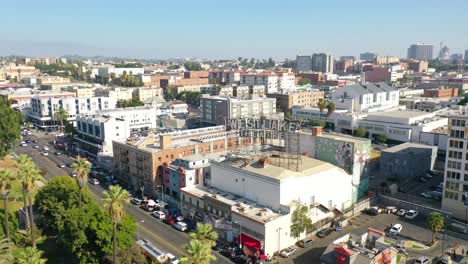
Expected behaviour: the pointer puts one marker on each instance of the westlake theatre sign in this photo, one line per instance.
(262, 127)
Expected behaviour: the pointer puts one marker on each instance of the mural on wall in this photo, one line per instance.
(336, 152)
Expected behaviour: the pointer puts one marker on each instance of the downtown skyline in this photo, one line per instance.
(212, 30)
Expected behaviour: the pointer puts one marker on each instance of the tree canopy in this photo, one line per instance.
(129, 103)
(304, 81)
(193, 66)
(191, 98)
(10, 127)
(300, 221)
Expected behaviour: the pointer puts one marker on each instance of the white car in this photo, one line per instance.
(172, 258)
(159, 214)
(426, 195)
(395, 230)
(94, 181)
(411, 214)
(36, 147)
(422, 260)
(379, 210)
(401, 212)
(181, 226)
(45, 153)
(391, 209)
(288, 252)
(45, 148)
(24, 144)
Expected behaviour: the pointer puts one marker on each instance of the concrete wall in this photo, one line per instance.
(407, 164)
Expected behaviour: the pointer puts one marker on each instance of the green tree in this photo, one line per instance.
(70, 130)
(361, 132)
(132, 255)
(29, 178)
(114, 198)
(381, 138)
(300, 221)
(23, 162)
(6, 181)
(205, 233)
(330, 108)
(436, 223)
(193, 66)
(321, 104)
(10, 127)
(61, 115)
(304, 81)
(5, 253)
(288, 115)
(81, 167)
(199, 253)
(30, 255)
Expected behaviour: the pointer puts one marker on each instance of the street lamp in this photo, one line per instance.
(142, 189)
(138, 229)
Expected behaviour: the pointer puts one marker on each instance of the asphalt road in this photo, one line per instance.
(154, 230)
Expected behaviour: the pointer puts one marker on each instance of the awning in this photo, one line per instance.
(249, 241)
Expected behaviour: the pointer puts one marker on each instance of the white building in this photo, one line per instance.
(118, 93)
(366, 97)
(456, 167)
(270, 80)
(145, 93)
(42, 110)
(260, 197)
(214, 109)
(97, 130)
(286, 82)
(108, 70)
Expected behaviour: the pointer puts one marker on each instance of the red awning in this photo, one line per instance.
(249, 241)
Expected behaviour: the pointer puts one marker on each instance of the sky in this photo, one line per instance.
(215, 29)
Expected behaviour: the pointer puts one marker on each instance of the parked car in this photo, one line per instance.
(179, 218)
(305, 242)
(35, 141)
(288, 251)
(427, 175)
(422, 180)
(135, 201)
(45, 148)
(36, 147)
(379, 210)
(426, 195)
(73, 174)
(24, 144)
(61, 165)
(148, 208)
(391, 209)
(58, 153)
(45, 153)
(181, 226)
(445, 259)
(324, 232)
(371, 211)
(402, 212)
(94, 181)
(172, 258)
(395, 230)
(28, 141)
(411, 214)
(159, 214)
(422, 260)
(169, 220)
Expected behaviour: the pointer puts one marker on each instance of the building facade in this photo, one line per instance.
(367, 56)
(269, 80)
(322, 62)
(285, 102)
(420, 52)
(304, 63)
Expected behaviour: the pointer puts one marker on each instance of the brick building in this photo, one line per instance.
(441, 92)
(196, 74)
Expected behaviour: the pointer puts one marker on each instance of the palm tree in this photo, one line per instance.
(114, 198)
(30, 175)
(22, 162)
(61, 115)
(5, 253)
(6, 181)
(321, 104)
(81, 167)
(436, 223)
(200, 253)
(205, 233)
(30, 255)
(330, 108)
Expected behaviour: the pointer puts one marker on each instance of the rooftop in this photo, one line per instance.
(407, 147)
(399, 113)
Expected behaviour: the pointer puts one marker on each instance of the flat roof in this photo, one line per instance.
(399, 113)
(407, 147)
(341, 137)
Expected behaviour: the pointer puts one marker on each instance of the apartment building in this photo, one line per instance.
(118, 93)
(146, 93)
(455, 196)
(112, 70)
(307, 98)
(46, 80)
(215, 109)
(441, 92)
(42, 109)
(224, 77)
(304, 63)
(21, 98)
(138, 161)
(420, 51)
(418, 66)
(322, 62)
(96, 131)
(269, 80)
(81, 91)
(196, 74)
(386, 59)
(286, 82)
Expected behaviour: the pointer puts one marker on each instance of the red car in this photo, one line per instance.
(169, 220)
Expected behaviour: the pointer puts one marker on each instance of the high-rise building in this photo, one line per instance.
(322, 62)
(304, 63)
(466, 56)
(444, 53)
(456, 168)
(420, 51)
(367, 56)
(345, 58)
(456, 58)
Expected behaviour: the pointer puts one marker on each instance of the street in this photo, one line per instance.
(154, 230)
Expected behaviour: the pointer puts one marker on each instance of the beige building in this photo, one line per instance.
(80, 91)
(45, 80)
(145, 93)
(286, 101)
(386, 59)
(118, 93)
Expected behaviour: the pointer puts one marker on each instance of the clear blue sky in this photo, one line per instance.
(228, 29)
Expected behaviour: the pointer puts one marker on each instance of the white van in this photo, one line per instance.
(395, 230)
(181, 226)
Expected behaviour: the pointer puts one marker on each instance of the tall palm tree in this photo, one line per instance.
(200, 253)
(5, 253)
(61, 115)
(23, 162)
(30, 255)
(6, 181)
(205, 233)
(81, 167)
(436, 223)
(30, 176)
(330, 108)
(114, 198)
(321, 104)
